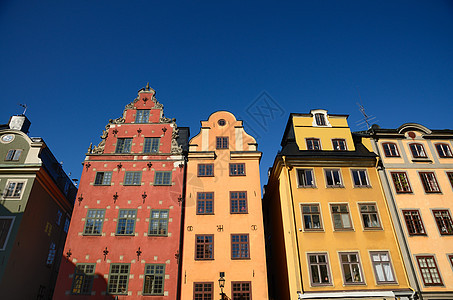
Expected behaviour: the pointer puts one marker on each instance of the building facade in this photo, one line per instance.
(223, 248)
(329, 231)
(124, 238)
(417, 174)
(36, 202)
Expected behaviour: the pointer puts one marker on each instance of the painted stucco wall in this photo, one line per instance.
(251, 223)
(432, 243)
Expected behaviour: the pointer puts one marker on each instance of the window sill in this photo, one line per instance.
(240, 258)
(372, 228)
(87, 234)
(307, 186)
(362, 186)
(335, 186)
(422, 160)
(204, 214)
(157, 235)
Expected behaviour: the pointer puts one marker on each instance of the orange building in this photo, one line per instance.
(223, 249)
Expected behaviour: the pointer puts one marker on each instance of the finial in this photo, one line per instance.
(147, 86)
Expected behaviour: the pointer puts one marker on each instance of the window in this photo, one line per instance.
(126, 222)
(237, 169)
(103, 178)
(319, 269)
(159, 222)
(205, 203)
(333, 178)
(5, 229)
(443, 150)
(311, 217)
(428, 269)
(221, 122)
(154, 279)
(222, 142)
(414, 222)
(142, 116)
(340, 216)
(118, 279)
(450, 177)
(383, 270)
(59, 215)
(123, 145)
(443, 221)
(83, 279)
(13, 154)
(370, 216)
(203, 291)
(390, 150)
(360, 178)
(306, 178)
(418, 151)
(401, 183)
(66, 225)
(94, 221)
(240, 246)
(320, 119)
(204, 247)
(14, 189)
(205, 170)
(151, 145)
(238, 202)
(352, 270)
(162, 178)
(429, 182)
(241, 290)
(450, 259)
(51, 255)
(339, 144)
(133, 178)
(313, 144)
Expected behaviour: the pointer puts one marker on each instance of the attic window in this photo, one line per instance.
(320, 119)
(221, 122)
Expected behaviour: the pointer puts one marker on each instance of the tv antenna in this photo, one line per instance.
(366, 118)
(24, 106)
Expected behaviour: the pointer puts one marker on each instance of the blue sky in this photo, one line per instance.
(76, 64)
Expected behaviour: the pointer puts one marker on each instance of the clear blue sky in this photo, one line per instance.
(76, 64)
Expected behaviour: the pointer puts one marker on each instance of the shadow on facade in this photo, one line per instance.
(65, 288)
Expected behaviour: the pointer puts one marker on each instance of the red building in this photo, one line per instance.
(124, 238)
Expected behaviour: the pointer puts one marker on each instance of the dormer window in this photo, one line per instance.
(313, 144)
(320, 119)
(339, 144)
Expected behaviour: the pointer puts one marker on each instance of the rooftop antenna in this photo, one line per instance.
(25, 108)
(366, 118)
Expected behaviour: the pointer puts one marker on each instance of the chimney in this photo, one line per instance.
(20, 122)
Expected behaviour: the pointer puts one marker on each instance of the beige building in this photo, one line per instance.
(416, 170)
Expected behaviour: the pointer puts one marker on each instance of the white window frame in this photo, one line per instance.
(367, 185)
(300, 184)
(9, 198)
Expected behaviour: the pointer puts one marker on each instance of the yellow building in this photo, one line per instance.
(223, 231)
(417, 176)
(329, 232)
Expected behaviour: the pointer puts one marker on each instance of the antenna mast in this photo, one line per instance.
(25, 108)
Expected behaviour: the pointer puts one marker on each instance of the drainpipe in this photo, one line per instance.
(181, 232)
(294, 220)
(397, 220)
